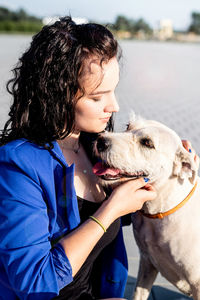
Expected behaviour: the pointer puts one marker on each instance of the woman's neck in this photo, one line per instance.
(71, 142)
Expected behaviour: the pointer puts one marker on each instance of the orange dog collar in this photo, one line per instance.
(171, 211)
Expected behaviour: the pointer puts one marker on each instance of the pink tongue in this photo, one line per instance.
(100, 170)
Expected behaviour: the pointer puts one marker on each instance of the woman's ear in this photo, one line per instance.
(184, 165)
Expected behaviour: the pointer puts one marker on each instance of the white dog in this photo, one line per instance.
(167, 230)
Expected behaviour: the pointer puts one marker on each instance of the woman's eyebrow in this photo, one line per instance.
(100, 92)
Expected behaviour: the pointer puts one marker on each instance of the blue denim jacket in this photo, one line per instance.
(38, 205)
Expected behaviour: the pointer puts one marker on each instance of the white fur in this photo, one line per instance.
(170, 245)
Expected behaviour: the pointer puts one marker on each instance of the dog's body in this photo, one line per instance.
(170, 245)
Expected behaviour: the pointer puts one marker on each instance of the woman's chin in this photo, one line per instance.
(95, 130)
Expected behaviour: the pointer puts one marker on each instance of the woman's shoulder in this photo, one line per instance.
(17, 147)
(28, 158)
(23, 152)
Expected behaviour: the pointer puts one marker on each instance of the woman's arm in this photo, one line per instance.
(125, 199)
(29, 266)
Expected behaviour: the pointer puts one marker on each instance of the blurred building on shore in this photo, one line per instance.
(165, 30)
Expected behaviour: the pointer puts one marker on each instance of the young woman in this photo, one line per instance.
(60, 235)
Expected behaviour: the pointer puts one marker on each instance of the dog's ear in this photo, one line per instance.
(184, 165)
(133, 119)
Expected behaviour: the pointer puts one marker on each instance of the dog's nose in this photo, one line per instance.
(102, 144)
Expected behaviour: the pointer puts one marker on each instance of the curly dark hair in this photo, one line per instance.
(46, 81)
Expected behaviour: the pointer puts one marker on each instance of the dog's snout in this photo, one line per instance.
(103, 144)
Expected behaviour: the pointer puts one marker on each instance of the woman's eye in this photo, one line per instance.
(147, 143)
(96, 99)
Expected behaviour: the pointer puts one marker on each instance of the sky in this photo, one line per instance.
(105, 11)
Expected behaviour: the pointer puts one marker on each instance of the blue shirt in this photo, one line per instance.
(38, 205)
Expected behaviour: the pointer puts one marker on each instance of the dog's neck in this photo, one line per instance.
(168, 196)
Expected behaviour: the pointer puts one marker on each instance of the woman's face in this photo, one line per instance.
(94, 109)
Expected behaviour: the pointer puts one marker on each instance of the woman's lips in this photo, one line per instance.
(105, 119)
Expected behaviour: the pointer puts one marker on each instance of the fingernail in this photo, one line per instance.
(146, 179)
(190, 150)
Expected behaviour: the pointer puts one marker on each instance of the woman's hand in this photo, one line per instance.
(130, 197)
(188, 146)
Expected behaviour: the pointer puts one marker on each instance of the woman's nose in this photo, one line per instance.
(113, 105)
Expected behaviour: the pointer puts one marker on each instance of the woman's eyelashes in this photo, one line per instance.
(96, 98)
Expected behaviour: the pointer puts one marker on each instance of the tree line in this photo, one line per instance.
(20, 21)
(123, 23)
(133, 27)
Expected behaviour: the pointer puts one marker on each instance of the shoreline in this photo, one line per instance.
(182, 38)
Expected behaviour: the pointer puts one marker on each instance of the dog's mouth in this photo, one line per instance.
(107, 172)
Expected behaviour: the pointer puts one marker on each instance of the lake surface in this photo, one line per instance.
(158, 80)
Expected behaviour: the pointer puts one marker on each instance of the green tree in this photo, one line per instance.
(195, 25)
(18, 21)
(123, 23)
(5, 14)
(141, 25)
(22, 15)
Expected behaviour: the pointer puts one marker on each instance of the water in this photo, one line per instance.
(158, 80)
(161, 81)
(11, 47)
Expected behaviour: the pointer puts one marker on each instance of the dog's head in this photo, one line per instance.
(146, 149)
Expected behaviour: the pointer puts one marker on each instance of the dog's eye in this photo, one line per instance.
(147, 142)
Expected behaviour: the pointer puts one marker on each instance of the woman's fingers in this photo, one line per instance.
(131, 195)
(188, 146)
(146, 193)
